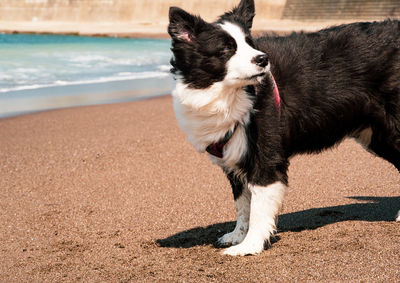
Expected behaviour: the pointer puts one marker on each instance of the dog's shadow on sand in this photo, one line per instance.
(373, 209)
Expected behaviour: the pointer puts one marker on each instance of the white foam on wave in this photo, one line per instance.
(164, 68)
(90, 60)
(123, 76)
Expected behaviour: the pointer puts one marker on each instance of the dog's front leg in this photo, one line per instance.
(242, 205)
(265, 204)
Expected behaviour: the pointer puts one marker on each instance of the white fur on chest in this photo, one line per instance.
(206, 115)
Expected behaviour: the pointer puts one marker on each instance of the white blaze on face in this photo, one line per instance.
(240, 67)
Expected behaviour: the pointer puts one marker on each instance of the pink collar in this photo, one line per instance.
(217, 149)
(276, 94)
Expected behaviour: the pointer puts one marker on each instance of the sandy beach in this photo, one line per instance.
(114, 193)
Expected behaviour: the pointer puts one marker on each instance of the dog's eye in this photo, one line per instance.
(227, 49)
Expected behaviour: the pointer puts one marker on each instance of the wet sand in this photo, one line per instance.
(26, 101)
(114, 193)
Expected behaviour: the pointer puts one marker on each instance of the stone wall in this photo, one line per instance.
(151, 11)
(341, 9)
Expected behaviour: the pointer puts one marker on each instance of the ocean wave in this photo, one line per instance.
(123, 76)
(91, 60)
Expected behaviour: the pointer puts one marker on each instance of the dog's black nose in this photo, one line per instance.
(261, 60)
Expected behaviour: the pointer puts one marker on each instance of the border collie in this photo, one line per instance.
(254, 103)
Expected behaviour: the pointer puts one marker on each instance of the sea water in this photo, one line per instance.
(39, 72)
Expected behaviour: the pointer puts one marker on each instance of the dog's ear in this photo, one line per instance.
(246, 11)
(183, 26)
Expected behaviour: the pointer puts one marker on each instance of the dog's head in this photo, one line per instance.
(223, 51)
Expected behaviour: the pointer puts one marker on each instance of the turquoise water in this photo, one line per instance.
(50, 69)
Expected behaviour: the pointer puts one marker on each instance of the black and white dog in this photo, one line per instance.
(336, 83)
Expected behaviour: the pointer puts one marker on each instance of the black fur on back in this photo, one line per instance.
(333, 83)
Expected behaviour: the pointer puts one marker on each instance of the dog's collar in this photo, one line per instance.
(276, 93)
(217, 149)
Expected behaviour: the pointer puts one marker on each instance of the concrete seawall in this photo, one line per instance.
(150, 17)
(154, 11)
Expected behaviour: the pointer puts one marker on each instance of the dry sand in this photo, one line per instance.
(114, 193)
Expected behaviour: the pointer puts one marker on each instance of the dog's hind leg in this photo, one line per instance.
(242, 198)
(386, 146)
(265, 204)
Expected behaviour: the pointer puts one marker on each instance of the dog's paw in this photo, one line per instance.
(225, 240)
(244, 248)
(232, 238)
(398, 216)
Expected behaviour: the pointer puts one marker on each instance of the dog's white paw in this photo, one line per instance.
(398, 216)
(245, 248)
(232, 238)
